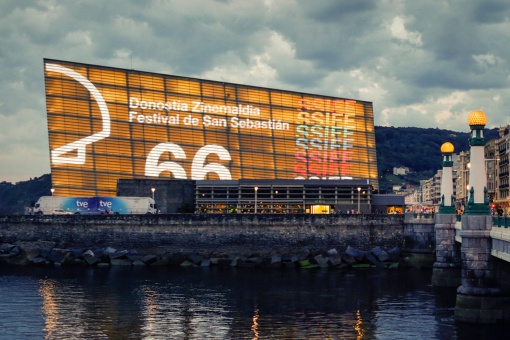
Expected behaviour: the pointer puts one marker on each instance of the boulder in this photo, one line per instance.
(332, 252)
(381, 255)
(160, 262)
(118, 255)
(6, 248)
(121, 262)
(355, 253)
(138, 263)
(39, 261)
(194, 258)
(321, 261)
(18, 260)
(335, 260)
(58, 255)
(371, 258)
(149, 259)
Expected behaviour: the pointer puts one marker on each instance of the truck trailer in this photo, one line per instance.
(57, 205)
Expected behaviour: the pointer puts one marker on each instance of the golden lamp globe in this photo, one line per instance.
(477, 118)
(447, 148)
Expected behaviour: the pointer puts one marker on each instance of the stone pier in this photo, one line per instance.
(479, 298)
(446, 271)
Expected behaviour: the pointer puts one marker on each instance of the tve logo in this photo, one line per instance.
(105, 204)
(82, 204)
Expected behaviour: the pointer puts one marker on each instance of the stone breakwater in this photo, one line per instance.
(44, 254)
(180, 239)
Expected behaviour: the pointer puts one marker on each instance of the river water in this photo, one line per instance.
(228, 303)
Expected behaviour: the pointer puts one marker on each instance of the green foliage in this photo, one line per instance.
(417, 149)
(14, 198)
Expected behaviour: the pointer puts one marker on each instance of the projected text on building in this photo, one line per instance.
(107, 123)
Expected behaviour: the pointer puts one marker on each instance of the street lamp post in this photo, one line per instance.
(359, 190)
(153, 189)
(256, 189)
(52, 203)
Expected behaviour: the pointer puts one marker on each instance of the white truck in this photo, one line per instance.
(57, 205)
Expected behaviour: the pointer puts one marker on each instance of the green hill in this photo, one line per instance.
(418, 149)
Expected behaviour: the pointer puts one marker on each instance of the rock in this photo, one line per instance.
(187, 263)
(76, 252)
(18, 260)
(58, 255)
(109, 250)
(321, 261)
(33, 253)
(134, 257)
(88, 253)
(332, 252)
(148, 259)
(78, 262)
(194, 258)
(335, 260)
(350, 260)
(161, 261)
(355, 253)
(6, 247)
(276, 259)
(39, 261)
(91, 260)
(120, 262)
(15, 250)
(381, 255)
(394, 254)
(371, 258)
(118, 255)
(205, 263)
(138, 263)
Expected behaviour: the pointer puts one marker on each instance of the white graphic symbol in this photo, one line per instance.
(81, 145)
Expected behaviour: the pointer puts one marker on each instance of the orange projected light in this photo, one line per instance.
(107, 123)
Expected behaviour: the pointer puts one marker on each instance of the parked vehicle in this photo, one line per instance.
(61, 212)
(57, 205)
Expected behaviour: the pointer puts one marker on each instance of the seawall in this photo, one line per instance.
(208, 234)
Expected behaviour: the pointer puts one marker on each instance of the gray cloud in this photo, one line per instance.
(422, 63)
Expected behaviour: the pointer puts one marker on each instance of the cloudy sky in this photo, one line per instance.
(422, 63)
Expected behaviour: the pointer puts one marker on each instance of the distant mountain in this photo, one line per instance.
(416, 148)
(15, 197)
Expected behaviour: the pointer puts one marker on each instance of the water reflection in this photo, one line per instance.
(255, 325)
(196, 303)
(49, 307)
(357, 326)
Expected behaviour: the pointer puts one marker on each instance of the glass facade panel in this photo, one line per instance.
(108, 123)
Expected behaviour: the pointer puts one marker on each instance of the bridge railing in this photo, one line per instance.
(501, 221)
(423, 216)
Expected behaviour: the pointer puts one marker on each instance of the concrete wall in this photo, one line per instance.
(241, 233)
(171, 196)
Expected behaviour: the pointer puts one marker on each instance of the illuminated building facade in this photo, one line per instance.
(108, 123)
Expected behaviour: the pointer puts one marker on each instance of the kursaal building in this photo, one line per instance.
(106, 124)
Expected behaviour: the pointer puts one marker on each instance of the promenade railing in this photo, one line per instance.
(501, 221)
